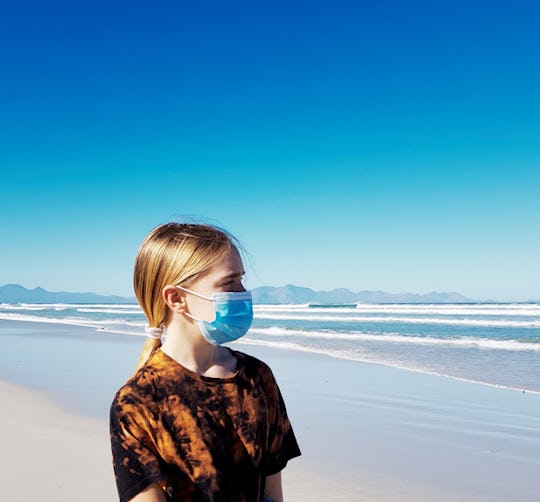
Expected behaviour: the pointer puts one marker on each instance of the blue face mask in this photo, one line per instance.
(234, 315)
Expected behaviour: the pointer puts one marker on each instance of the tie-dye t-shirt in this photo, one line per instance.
(201, 438)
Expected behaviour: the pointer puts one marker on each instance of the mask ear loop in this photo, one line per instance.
(204, 297)
(154, 333)
(193, 317)
(209, 298)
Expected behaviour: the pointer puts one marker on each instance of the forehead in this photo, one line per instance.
(231, 261)
(229, 264)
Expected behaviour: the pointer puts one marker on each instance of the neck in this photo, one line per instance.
(187, 347)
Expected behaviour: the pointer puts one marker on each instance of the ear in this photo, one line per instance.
(174, 298)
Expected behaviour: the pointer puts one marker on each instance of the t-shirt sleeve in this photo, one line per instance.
(282, 444)
(135, 463)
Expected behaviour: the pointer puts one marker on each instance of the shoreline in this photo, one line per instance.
(65, 325)
(394, 366)
(367, 431)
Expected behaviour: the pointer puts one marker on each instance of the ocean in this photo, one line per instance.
(491, 344)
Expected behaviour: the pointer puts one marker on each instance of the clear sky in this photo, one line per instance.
(369, 145)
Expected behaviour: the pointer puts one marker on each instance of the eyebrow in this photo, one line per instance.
(233, 275)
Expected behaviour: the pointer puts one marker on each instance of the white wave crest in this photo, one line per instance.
(482, 343)
(72, 321)
(75, 305)
(281, 306)
(404, 320)
(507, 310)
(110, 311)
(21, 307)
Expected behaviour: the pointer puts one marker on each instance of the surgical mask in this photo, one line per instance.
(234, 315)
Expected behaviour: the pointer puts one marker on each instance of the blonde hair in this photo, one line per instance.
(173, 253)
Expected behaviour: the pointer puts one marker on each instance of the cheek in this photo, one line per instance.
(203, 309)
(210, 313)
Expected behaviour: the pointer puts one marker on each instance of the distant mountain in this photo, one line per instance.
(15, 293)
(295, 294)
(284, 294)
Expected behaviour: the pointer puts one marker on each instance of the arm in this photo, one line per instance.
(282, 445)
(136, 466)
(273, 487)
(153, 493)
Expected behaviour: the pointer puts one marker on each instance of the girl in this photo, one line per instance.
(197, 421)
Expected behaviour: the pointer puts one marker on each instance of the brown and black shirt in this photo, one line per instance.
(201, 438)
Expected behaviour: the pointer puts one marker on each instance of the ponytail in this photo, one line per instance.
(149, 347)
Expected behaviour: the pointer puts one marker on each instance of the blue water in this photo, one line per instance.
(496, 344)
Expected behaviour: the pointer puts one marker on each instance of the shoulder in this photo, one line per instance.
(142, 392)
(251, 364)
(256, 371)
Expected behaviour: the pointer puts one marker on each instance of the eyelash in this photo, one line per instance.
(232, 281)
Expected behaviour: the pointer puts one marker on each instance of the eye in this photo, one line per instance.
(233, 282)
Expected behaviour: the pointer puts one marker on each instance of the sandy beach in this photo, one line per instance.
(48, 453)
(367, 432)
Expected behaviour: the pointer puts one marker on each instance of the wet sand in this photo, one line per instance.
(367, 432)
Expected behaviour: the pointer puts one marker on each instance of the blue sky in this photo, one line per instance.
(385, 146)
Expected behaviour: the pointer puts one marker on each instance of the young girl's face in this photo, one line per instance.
(225, 276)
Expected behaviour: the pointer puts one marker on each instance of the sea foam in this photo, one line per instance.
(397, 338)
(400, 319)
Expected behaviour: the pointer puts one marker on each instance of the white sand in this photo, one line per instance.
(48, 454)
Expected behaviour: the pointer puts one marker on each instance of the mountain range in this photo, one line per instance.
(289, 294)
(15, 293)
(297, 294)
